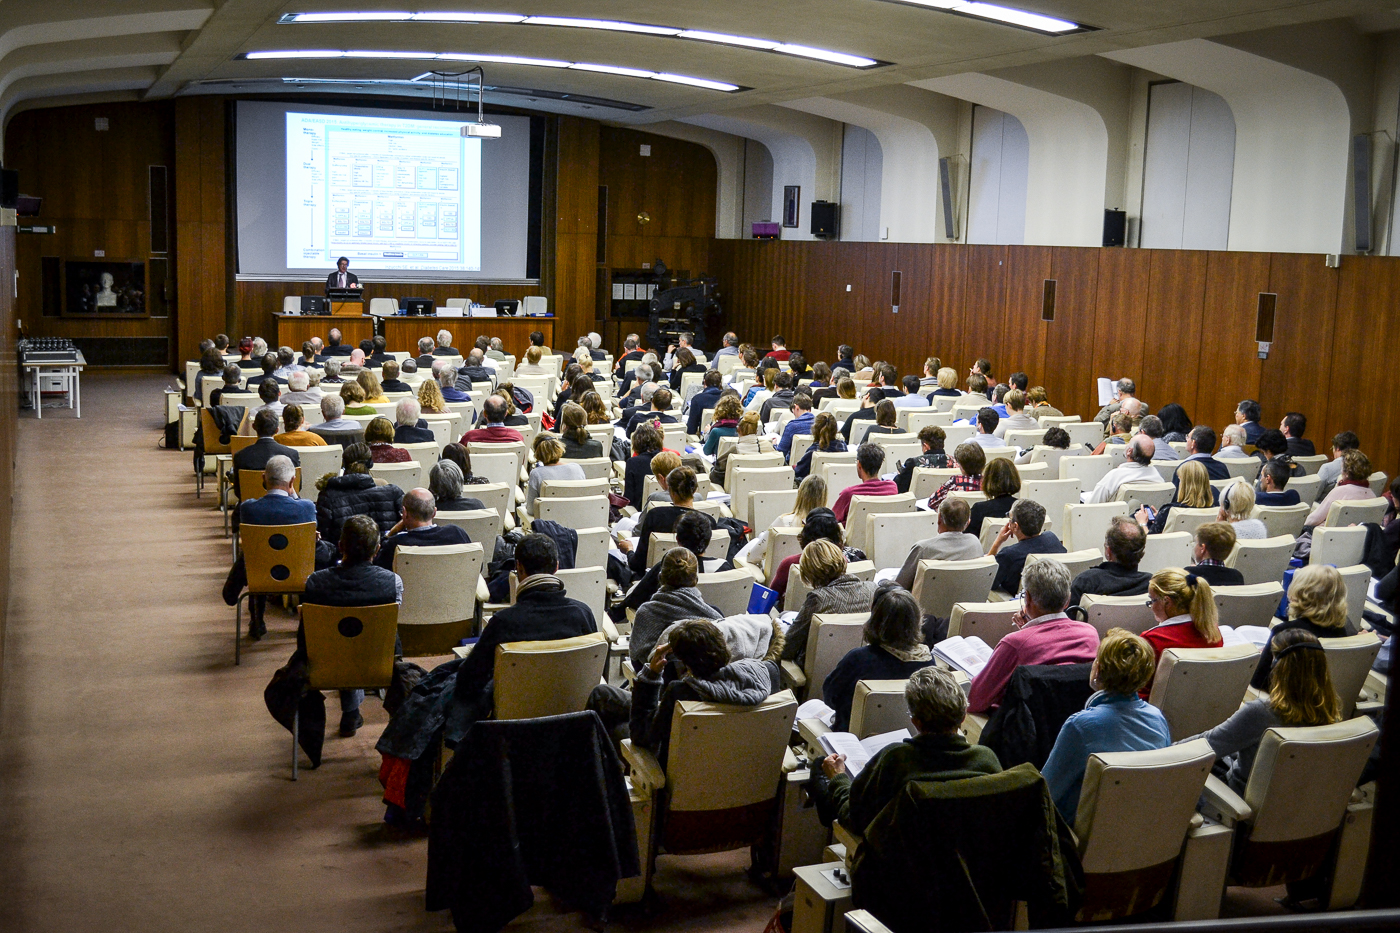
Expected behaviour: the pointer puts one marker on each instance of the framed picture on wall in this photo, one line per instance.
(104, 289)
(792, 205)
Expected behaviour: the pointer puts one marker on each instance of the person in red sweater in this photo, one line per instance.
(1184, 607)
(869, 459)
(780, 351)
(493, 429)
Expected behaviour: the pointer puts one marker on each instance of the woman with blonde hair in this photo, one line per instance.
(1317, 603)
(430, 398)
(947, 382)
(826, 438)
(823, 566)
(595, 408)
(531, 366)
(725, 423)
(1115, 719)
(846, 388)
(1193, 491)
(549, 451)
(1300, 694)
(1184, 606)
(374, 394)
(863, 369)
(1237, 508)
(811, 494)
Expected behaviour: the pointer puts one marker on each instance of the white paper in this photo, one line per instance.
(629, 291)
(1256, 635)
(968, 654)
(859, 752)
(886, 573)
(617, 291)
(816, 709)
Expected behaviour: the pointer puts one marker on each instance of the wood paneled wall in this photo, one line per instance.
(675, 186)
(9, 417)
(573, 288)
(95, 189)
(1180, 322)
(201, 225)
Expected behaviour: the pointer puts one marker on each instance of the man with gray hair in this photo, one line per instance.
(1123, 546)
(299, 391)
(1125, 389)
(447, 381)
(1044, 635)
(318, 347)
(444, 345)
(475, 371)
(595, 347)
(1137, 468)
(729, 345)
(496, 350)
(1152, 426)
(416, 528)
(286, 363)
(1027, 525)
(630, 351)
(425, 351)
(409, 428)
(951, 543)
(938, 752)
(259, 348)
(330, 373)
(334, 347)
(335, 428)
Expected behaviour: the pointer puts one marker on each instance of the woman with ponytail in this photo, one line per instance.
(1184, 607)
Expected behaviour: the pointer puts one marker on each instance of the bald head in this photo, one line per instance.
(419, 508)
(1141, 449)
(1131, 407)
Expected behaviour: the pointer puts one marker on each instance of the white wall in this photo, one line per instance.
(758, 186)
(1189, 169)
(1000, 167)
(862, 167)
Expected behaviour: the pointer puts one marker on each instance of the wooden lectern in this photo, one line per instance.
(346, 302)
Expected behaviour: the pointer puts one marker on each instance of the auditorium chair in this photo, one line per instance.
(1307, 488)
(1349, 661)
(347, 648)
(1167, 468)
(915, 420)
(1301, 816)
(1084, 433)
(498, 496)
(1245, 468)
(955, 434)
(965, 409)
(440, 591)
(1130, 864)
(1136, 495)
(1357, 578)
(481, 525)
(1167, 550)
(517, 449)
(406, 476)
(756, 461)
(1377, 482)
(567, 489)
(250, 483)
(278, 559)
(593, 546)
(1000, 453)
(1311, 464)
(925, 481)
(829, 638)
(1076, 562)
(801, 443)
(728, 591)
(991, 527)
(892, 535)
(1356, 512)
(425, 453)
(1126, 612)
(1034, 471)
(1341, 547)
(877, 707)
(316, 462)
(781, 544)
(1024, 439)
(444, 428)
(1249, 604)
(1283, 519)
(861, 507)
(547, 678)
(798, 587)
(1051, 457)
(1088, 470)
(1181, 518)
(942, 403)
(838, 475)
(989, 621)
(573, 511)
(719, 788)
(1261, 561)
(747, 481)
(940, 584)
(1053, 494)
(1199, 688)
(1085, 525)
(768, 505)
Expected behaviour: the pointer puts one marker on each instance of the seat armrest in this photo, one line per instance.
(811, 731)
(863, 921)
(844, 836)
(973, 724)
(793, 675)
(628, 671)
(794, 766)
(1223, 805)
(646, 770)
(1254, 693)
(483, 595)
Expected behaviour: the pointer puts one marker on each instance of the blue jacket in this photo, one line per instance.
(1109, 722)
(427, 536)
(702, 400)
(274, 508)
(802, 424)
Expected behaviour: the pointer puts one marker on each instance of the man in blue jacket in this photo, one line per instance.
(416, 528)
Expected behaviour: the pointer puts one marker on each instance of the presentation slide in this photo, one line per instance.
(386, 193)
(400, 193)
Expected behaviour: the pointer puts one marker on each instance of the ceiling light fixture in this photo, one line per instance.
(696, 35)
(1010, 16)
(501, 60)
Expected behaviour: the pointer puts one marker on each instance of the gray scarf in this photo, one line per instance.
(741, 683)
(657, 614)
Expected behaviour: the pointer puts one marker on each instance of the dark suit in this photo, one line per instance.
(274, 508)
(256, 455)
(333, 280)
(339, 349)
(1217, 576)
(1214, 468)
(647, 415)
(1011, 559)
(413, 433)
(598, 355)
(255, 381)
(1301, 447)
(446, 351)
(425, 360)
(394, 385)
(1252, 430)
(427, 536)
(624, 359)
(702, 400)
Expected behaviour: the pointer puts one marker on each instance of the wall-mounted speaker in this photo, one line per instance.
(825, 219)
(1361, 190)
(945, 191)
(1115, 228)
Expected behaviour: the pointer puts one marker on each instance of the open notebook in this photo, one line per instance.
(816, 709)
(1256, 635)
(968, 654)
(858, 752)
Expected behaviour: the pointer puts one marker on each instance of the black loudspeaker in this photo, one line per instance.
(9, 188)
(825, 216)
(1361, 190)
(1115, 228)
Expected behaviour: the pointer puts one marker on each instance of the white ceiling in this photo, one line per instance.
(53, 53)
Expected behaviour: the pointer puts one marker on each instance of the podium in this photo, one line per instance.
(346, 302)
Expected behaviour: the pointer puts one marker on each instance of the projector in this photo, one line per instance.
(482, 130)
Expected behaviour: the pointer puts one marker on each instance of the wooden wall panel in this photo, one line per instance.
(1229, 363)
(1022, 344)
(201, 293)
(985, 320)
(572, 287)
(1364, 334)
(1069, 339)
(9, 428)
(1171, 330)
(1303, 323)
(1120, 329)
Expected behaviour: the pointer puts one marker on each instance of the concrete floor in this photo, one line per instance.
(143, 786)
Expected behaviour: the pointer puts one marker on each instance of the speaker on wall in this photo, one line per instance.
(945, 191)
(825, 217)
(1361, 190)
(1115, 228)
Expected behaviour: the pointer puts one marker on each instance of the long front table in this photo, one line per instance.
(401, 334)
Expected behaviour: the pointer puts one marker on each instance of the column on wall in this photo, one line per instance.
(201, 302)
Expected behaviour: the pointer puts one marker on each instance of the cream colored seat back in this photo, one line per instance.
(406, 476)
(890, 536)
(662, 541)
(915, 420)
(767, 505)
(1084, 433)
(1050, 457)
(1181, 518)
(1085, 525)
(927, 480)
(1357, 578)
(990, 622)
(439, 595)
(1245, 468)
(1307, 488)
(572, 488)
(864, 506)
(1356, 511)
(838, 477)
(547, 678)
(1053, 494)
(1167, 468)
(1139, 494)
(1199, 688)
(757, 461)
(879, 707)
(1128, 612)
(425, 454)
(747, 481)
(481, 525)
(1025, 439)
(1341, 547)
(316, 462)
(1311, 464)
(589, 585)
(1261, 561)
(574, 512)
(830, 637)
(444, 430)
(1250, 604)
(1167, 550)
(593, 545)
(1035, 471)
(1076, 562)
(1088, 470)
(1349, 660)
(782, 543)
(940, 584)
(1129, 863)
(650, 486)
(1283, 519)
(498, 496)
(955, 434)
(728, 591)
(503, 468)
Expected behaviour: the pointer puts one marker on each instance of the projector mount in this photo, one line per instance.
(448, 88)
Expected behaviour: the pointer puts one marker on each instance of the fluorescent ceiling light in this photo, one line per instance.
(501, 60)
(697, 35)
(1003, 14)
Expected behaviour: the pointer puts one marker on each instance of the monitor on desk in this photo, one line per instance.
(507, 307)
(313, 304)
(415, 306)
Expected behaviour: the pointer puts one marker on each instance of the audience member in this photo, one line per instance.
(869, 458)
(694, 532)
(300, 391)
(779, 350)
(1151, 426)
(970, 460)
(866, 412)
(1040, 404)
(1237, 508)
(355, 492)
(893, 650)
(1200, 443)
(246, 361)
(232, 377)
(409, 428)
(1273, 477)
(1214, 542)
(1293, 426)
(391, 382)
(293, 434)
(1183, 604)
(573, 434)
(444, 345)
(987, 420)
(702, 401)
(425, 351)
(646, 443)
(1001, 481)
(784, 388)
(416, 529)
(334, 347)
(811, 494)
(931, 439)
(1137, 468)
(728, 411)
(824, 440)
(819, 523)
(1125, 389)
(681, 484)
(549, 451)
(1027, 526)
(330, 372)
(379, 435)
(1017, 419)
(335, 428)
(445, 485)
(1193, 491)
(1331, 471)
(493, 429)
(885, 419)
(947, 383)
(833, 590)
(951, 543)
(1232, 441)
(268, 394)
(1317, 604)
(1353, 484)
(802, 422)
(1123, 547)
(353, 394)
(256, 454)
(1175, 422)
(677, 598)
(1247, 415)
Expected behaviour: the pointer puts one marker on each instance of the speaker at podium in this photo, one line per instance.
(346, 302)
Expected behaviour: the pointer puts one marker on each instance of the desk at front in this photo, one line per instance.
(401, 334)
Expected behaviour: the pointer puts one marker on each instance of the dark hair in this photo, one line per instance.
(211, 362)
(985, 365)
(379, 343)
(1296, 422)
(895, 618)
(783, 380)
(1204, 436)
(911, 384)
(694, 531)
(845, 352)
(682, 483)
(1127, 540)
(537, 338)
(573, 423)
(459, 455)
(699, 645)
(1057, 437)
(933, 436)
(661, 400)
(1346, 440)
(684, 357)
(367, 345)
(971, 458)
(1250, 409)
(268, 390)
(357, 458)
(821, 523)
(988, 419)
(777, 338)
(292, 416)
(269, 362)
(803, 400)
(884, 413)
(712, 379)
(821, 372)
(1029, 516)
(359, 538)
(824, 430)
(1019, 381)
(679, 568)
(646, 439)
(1174, 419)
(870, 457)
(266, 422)
(1278, 471)
(536, 553)
(797, 364)
(1001, 478)
(493, 409)
(1272, 442)
(342, 259)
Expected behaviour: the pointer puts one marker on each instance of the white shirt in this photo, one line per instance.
(911, 401)
(1121, 475)
(988, 440)
(1017, 422)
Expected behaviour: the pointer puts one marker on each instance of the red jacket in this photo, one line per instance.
(496, 434)
(873, 487)
(1174, 634)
